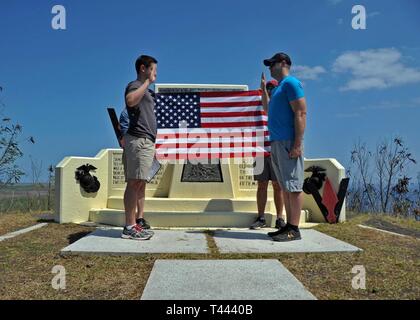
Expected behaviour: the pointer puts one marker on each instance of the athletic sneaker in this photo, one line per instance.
(143, 223)
(288, 234)
(135, 233)
(280, 223)
(259, 223)
(277, 232)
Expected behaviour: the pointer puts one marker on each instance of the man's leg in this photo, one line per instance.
(290, 174)
(296, 203)
(287, 205)
(278, 198)
(130, 201)
(141, 195)
(261, 202)
(293, 203)
(262, 197)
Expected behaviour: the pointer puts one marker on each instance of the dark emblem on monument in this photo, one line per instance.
(201, 173)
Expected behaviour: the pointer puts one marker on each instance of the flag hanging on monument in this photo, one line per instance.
(205, 125)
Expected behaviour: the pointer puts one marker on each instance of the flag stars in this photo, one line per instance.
(173, 109)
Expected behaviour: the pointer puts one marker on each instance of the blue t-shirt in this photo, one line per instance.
(281, 118)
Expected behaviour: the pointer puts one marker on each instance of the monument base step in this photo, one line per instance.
(194, 204)
(167, 219)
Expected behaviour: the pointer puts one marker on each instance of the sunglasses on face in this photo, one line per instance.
(274, 62)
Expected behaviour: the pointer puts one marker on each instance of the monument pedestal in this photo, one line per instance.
(172, 199)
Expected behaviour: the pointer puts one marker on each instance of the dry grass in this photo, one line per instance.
(391, 263)
(10, 222)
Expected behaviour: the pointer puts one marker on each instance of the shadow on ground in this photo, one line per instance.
(388, 226)
(77, 236)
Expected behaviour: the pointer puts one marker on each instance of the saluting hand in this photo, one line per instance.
(263, 81)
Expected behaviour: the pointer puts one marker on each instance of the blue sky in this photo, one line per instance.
(358, 83)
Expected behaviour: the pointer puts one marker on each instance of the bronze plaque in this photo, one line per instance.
(201, 172)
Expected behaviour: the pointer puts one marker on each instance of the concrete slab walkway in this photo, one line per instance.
(257, 241)
(108, 241)
(223, 280)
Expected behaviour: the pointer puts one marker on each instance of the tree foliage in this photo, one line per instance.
(379, 180)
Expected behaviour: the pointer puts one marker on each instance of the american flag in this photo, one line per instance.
(205, 125)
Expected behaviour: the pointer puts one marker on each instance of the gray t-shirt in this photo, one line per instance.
(142, 116)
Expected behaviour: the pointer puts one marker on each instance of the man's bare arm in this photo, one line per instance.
(265, 99)
(299, 108)
(134, 97)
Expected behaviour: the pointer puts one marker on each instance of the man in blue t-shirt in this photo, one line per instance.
(286, 124)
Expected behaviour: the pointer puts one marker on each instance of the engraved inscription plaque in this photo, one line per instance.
(117, 169)
(118, 178)
(246, 178)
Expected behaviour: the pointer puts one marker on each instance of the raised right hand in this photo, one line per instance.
(263, 82)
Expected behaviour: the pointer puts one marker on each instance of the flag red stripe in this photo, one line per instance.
(211, 135)
(212, 145)
(230, 104)
(184, 156)
(234, 124)
(233, 114)
(216, 94)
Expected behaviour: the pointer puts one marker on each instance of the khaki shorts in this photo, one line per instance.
(289, 172)
(138, 157)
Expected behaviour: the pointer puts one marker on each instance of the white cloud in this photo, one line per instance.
(308, 73)
(375, 69)
(384, 105)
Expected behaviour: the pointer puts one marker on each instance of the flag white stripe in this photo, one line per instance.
(233, 119)
(230, 99)
(233, 109)
(192, 131)
(212, 140)
(192, 151)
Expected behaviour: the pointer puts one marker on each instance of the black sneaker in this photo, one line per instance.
(276, 233)
(143, 223)
(280, 223)
(259, 223)
(288, 234)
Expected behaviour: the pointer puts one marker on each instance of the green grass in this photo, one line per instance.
(391, 263)
(26, 198)
(23, 187)
(29, 203)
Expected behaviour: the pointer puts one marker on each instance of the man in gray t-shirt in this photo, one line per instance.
(139, 147)
(142, 122)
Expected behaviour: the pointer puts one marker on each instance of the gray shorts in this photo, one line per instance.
(138, 157)
(267, 172)
(289, 172)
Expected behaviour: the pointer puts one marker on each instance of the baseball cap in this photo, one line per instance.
(278, 57)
